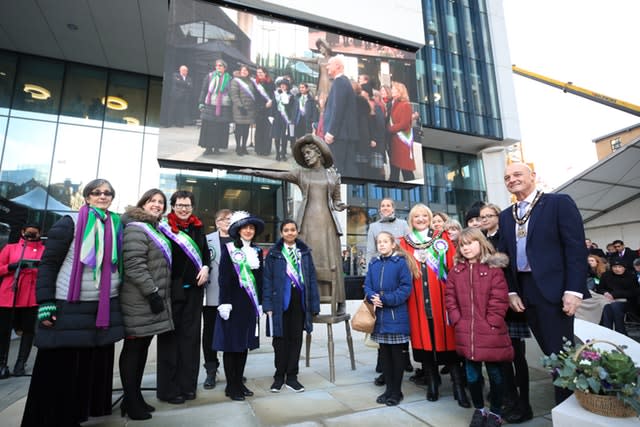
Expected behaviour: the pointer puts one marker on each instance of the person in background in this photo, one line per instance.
(264, 111)
(439, 219)
(215, 110)
(453, 228)
(290, 300)
(477, 301)
(240, 309)
(179, 350)
(365, 144)
(282, 130)
(489, 215)
(305, 112)
(620, 287)
(144, 295)
(472, 218)
(593, 248)
(636, 267)
(379, 135)
(387, 286)
(597, 267)
(215, 241)
(179, 108)
(79, 316)
(18, 310)
(625, 254)
(243, 100)
(400, 127)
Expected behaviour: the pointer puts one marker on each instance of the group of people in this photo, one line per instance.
(362, 126)
(467, 296)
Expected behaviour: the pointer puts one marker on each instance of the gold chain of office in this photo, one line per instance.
(527, 214)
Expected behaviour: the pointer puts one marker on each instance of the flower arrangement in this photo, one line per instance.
(592, 370)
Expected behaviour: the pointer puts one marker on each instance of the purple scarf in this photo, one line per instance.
(75, 284)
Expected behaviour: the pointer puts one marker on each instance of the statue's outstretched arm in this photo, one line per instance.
(288, 176)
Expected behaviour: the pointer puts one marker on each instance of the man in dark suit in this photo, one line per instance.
(544, 238)
(340, 117)
(180, 96)
(625, 254)
(305, 112)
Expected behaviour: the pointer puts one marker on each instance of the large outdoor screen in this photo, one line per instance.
(240, 88)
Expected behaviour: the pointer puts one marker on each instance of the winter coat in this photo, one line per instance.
(212, 288)
(209, 111)
(243, 100)
(401, 155)
(282, 119)
(390, 278)
(238, 333)
(305, 122)
(183, 271)
(145, 271)
(477, 300)
(275, 279)
(75, 325)
(26, 281)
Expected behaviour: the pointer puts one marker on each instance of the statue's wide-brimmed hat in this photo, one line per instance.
(241, 218)
(327, 157)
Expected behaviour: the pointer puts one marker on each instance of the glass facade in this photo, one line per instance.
(63, 124)
(456, 80)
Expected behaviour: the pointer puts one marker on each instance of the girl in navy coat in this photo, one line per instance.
(290, 300)
(387, 286)
(240, 280)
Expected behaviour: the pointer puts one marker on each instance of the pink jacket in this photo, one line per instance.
(477, 299)
(27, 280)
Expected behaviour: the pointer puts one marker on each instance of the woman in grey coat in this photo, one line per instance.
(144, 295)
(243, 102)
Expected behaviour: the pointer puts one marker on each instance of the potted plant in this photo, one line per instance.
(606, 382)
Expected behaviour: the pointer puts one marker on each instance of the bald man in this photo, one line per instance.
(544, 238)
(181, 98)
(340, 120)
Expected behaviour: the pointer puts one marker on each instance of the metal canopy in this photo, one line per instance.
(609, 184)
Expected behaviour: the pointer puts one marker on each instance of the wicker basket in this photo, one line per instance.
(609, 406)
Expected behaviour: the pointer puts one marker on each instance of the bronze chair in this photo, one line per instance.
(330, 319)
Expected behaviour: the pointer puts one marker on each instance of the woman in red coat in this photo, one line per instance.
(23, 318)
(400, 121)
(432, 338)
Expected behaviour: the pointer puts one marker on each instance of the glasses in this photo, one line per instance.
(98, 193)
(486, 217)
(187, 207)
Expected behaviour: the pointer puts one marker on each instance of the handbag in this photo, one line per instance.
(364, 318)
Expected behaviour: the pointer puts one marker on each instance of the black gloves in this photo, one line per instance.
(25, 264)
(13, 266)
(156, 303)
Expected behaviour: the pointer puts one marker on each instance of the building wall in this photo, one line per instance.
(604, 145)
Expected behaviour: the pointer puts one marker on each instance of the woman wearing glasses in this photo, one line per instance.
(516, 373)
(79, 317)
(179, 350)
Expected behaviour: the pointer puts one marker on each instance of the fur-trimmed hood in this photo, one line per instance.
(498, 260)
(134, 213)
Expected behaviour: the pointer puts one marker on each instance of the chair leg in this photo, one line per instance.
(350, 345)
(308, 348)
(332, 367)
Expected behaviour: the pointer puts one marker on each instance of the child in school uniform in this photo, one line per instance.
(291, 299)
(477, 299)
(387, 286)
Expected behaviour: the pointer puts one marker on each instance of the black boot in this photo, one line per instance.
(210, 381)
(431, 381)
(129, 374)
(459, 393)
(26, 343)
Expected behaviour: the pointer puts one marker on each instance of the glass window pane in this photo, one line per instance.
(7, 76)
(84, 88)
(27, 157)
(126, 101)
(3, 128)
(75, 162)
(38, 88)
(121, 151)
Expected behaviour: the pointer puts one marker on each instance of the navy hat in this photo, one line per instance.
(241, 218)
(473, 212)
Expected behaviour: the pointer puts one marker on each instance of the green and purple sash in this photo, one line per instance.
(245, 87)
(185, 242)
(406, 137)
(158, 238)
(245, 275)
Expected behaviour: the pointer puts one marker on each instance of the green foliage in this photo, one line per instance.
(592, 370)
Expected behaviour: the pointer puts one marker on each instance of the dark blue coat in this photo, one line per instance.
(390, 278)
(340, 114)
(236, 334)
(275, 279)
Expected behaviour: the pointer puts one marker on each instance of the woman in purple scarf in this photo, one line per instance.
(79, 317)
(215, 109)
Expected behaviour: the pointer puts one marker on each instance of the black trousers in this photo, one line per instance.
(24, 319)
(547, 321)
(209, 316)
(393, 363)
(179, 350)
(241, 134)
(133, 359)
(287, 347)
(394, 174)
(234, 363)
(68, 385)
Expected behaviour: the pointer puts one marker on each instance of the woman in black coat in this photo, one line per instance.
(240, 279)
(179, 350)
(79, 317)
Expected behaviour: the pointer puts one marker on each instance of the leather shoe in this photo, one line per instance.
(518, 415)
(178, 400)
(191, 395)
(379, 381)
(237, 398)
(210, 381)
(246, 392)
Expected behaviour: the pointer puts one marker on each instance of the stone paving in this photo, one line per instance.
(348, 402)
